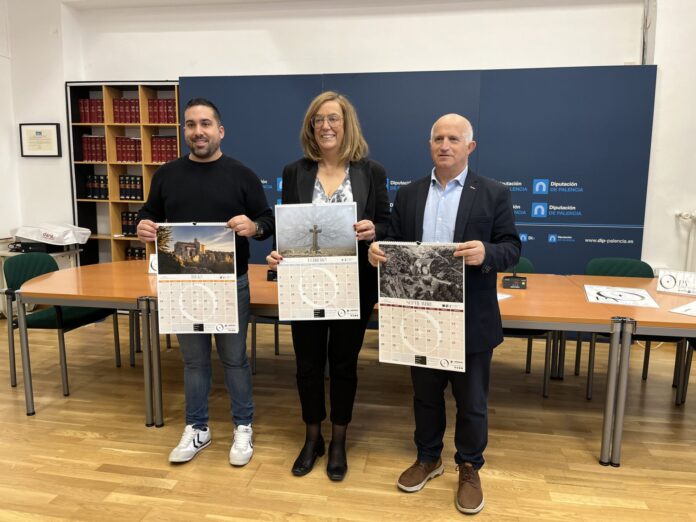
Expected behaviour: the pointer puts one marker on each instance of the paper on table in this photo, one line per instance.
(687, 309)
(502, 297)
(620, 296)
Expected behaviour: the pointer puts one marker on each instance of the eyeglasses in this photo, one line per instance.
(333, 119)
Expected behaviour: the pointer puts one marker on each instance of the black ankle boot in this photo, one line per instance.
(309, 453)
(338, 463)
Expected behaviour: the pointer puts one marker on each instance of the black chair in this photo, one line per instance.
(21, 268)
(525, 266)
(623, 267)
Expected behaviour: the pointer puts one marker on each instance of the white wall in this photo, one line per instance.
(672, 182)
(357, 36)
(37, 79)
(9, 187)
(51, 44)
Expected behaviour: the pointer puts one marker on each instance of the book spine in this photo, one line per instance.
(151, 112)
(82, 107)
(171, 116)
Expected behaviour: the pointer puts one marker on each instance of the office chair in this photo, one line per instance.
(621, 267)
(21, 268)
(525, 266)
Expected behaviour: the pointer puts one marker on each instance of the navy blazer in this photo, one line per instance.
(485, 214)
(368, 181)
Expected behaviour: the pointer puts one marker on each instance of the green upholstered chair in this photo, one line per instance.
(525, 266)
(619, 267)
(21, 268)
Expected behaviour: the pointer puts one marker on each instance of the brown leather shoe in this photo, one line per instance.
(469, 495)
(415, 477)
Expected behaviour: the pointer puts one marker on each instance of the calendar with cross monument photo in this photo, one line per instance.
(318, 276)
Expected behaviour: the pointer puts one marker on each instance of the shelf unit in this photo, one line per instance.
(108, 99)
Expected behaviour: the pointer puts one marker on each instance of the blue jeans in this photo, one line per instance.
(231, 348)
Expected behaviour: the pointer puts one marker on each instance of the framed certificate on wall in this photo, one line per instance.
(40, 140)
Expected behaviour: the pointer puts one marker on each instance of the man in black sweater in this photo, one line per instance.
(207, 186)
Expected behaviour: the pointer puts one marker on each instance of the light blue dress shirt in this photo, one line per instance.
(441, 208)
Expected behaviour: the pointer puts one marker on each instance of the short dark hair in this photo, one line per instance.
(206, 103)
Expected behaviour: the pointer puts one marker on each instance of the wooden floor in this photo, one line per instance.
(90, 457)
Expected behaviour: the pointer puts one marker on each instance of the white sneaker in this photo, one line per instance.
(242, 447)
(192, 441)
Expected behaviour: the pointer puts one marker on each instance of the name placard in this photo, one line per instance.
(676, 282)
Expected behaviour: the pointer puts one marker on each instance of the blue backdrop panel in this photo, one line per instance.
(573, 144)
(397, 110)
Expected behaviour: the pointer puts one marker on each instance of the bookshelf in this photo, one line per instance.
(120, 133)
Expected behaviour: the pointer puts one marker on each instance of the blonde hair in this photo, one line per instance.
(353, 148)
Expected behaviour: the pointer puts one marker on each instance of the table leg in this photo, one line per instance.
(590, 365)
(276, 336)
(132, 319)
(26, 364)
(561, 355)
(547, 363)
(610, 401)
(144, 306)
(554, 356)
(253, 344)
(681, 354)
(629, 328)
(677, 365)
(156, 364)
(578, 353)
(687, 369)
(10, 340)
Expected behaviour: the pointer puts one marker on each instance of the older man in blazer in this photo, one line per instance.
(453, 204)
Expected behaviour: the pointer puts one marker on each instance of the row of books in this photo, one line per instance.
(93, 148)
(128, 223)
(97, 186)
(91, 110)
(135, 253)
(161, 110)
(128, 149)
(126, 110)
(163, 149)
(130, 187)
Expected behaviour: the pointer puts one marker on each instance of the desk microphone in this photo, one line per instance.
(515, 282)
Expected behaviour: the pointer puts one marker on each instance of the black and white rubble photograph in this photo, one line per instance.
(426, 272)
(307, 230)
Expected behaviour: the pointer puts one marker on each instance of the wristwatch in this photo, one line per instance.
(259, 229)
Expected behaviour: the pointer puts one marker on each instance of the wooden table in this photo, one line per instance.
(550, 302)
(124, 285)
(626, 322)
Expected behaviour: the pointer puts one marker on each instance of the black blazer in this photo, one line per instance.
(485, 214)
(368, 181)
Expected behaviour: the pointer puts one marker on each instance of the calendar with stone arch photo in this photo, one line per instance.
(318, 276)
(421, 306)
(196, 278)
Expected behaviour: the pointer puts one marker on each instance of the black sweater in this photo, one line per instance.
(184, 191)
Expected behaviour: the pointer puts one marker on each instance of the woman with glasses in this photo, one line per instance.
(334, 169)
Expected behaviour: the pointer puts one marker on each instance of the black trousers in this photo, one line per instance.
(470, 391)
(341, 341)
